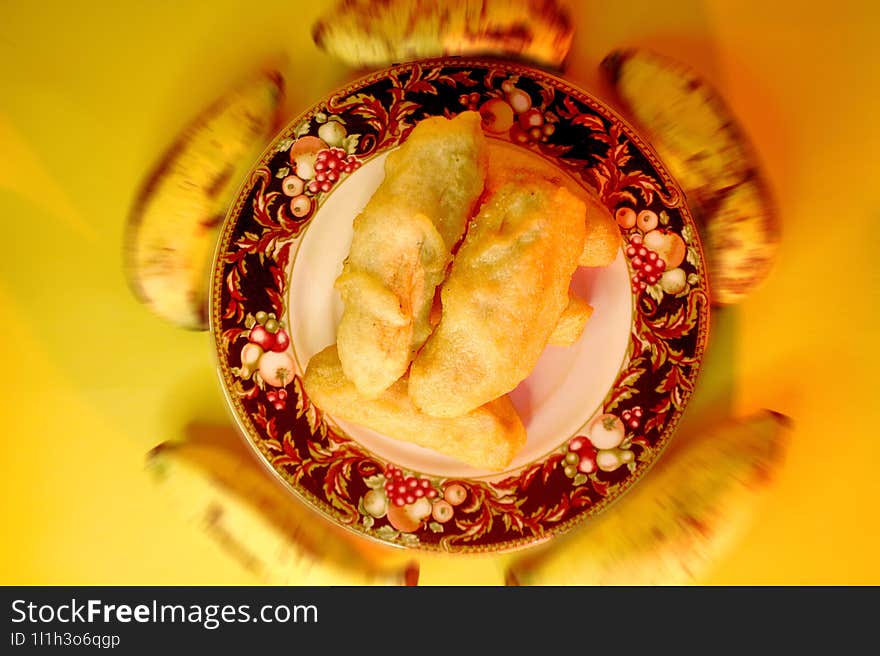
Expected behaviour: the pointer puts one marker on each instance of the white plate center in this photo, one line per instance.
(564, 390)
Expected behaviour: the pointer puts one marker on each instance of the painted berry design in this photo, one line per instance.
(580, 457)
(265, 358)
(469, 101)
(512, 111)
(605, 446)
(631, 417)
(284, 194)
(656, 253)
(316, 163)
(409, 502)
(647, 264)
(330, 165)
(405, 490)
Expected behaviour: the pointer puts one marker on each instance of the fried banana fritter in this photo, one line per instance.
(507, 288)
(603, 236)
(487, 437)
(402, 245)
(572, 322)
(603, 239)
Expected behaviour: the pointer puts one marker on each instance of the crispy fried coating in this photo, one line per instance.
(572, 322)
(401, 247)
(603, 236)
(507, 162)
(505, 292)
(487, 437)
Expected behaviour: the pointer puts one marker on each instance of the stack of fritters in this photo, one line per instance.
(504, 298)
(506, 290)
(402, 245)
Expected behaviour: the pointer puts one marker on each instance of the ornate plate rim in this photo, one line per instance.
(322, 507)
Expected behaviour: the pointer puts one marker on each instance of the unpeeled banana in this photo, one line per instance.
(698, 138)
(175, 220)
(220, 487)
(675, 523)
(375, 33)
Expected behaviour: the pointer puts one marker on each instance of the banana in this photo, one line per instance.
(706, 150)
(677, 522)
(174, 223)
(221, 488)
(375, 33)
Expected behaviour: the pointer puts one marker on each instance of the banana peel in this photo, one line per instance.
(678, 521)
(175, 220)
(214, 479)
(377, 33)
(708, 153)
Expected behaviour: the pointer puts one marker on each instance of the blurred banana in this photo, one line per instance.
(175, 220)
(376, 33)
(700, 141)
(218, 484)
(676, 523)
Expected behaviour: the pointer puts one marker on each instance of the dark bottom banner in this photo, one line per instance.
(144, 619)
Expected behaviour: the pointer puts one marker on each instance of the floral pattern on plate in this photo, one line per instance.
(380, 499)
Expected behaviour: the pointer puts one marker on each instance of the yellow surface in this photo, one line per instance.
(91, 92)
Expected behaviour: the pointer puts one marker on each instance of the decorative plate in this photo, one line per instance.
(597, 414)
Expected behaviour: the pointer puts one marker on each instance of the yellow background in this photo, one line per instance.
(91, 92)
